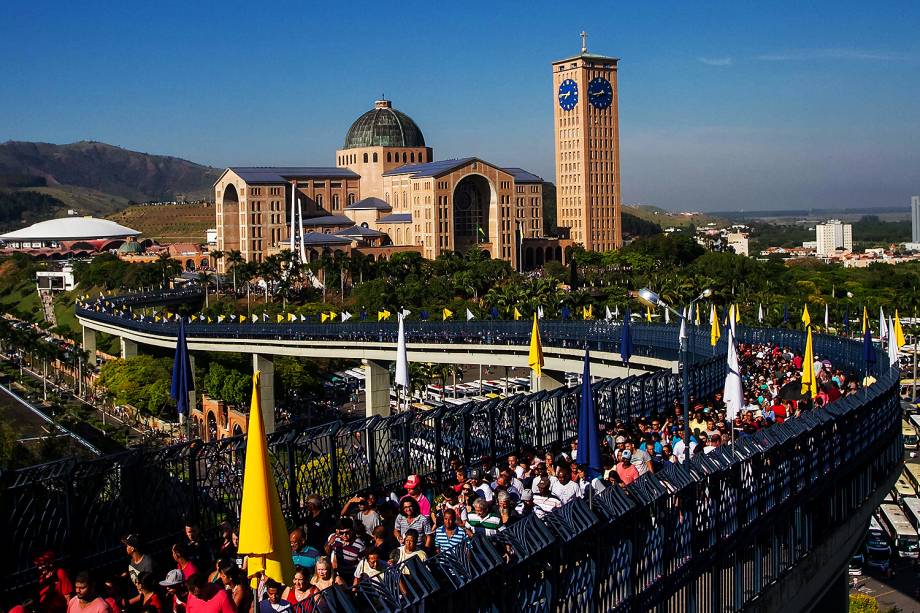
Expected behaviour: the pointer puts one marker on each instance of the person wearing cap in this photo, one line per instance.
(176, 591)
(413, 487)
(138, 562)
(54, 586)
(625, 469)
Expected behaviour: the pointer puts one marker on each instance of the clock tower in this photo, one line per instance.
(587, 136)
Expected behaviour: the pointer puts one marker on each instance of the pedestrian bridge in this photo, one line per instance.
(765, 524)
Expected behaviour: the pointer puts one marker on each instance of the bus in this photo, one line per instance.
(912, 470)
(909, 434)
(902, 488)
(878, 553)
(903, 534)
(911, 508)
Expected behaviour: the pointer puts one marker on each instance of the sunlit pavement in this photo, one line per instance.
(900, 590)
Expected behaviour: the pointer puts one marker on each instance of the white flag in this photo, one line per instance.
(827, 317)
(540, 312)
(892, 347)
(402, 356)
(667, 316)
(733, 395)
(616, 311)
(882, 326)
(345, 316)
(683, 331)
(760, 313)
(469, 315)
(406, 312)
(264, 316)
(220, 318)
(609, 315)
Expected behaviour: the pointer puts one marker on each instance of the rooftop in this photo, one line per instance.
(284, 174)
(71, 228)
(384, 126)
(369, 203)
(396, 218)
(328, 220)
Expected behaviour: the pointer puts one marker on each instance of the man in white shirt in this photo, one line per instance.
(564, 488)
(543, 500)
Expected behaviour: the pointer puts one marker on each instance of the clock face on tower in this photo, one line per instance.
(568, 94)
(600, 93)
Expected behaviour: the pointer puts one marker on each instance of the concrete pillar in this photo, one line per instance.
(266, 365)
(549, 380)
(89, 344)
(128, 348)
(376, 389)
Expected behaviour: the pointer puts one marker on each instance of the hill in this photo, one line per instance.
(667, 219)
(169, 223)
(100, 179)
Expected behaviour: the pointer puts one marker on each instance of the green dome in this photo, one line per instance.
(384, 126)
(131, 247)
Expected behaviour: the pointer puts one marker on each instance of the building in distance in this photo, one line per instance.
(832, 236)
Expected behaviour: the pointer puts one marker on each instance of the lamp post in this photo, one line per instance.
(652, 299)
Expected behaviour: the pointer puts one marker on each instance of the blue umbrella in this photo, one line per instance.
(625, 339)
(589, 445)
(182, 381)
(868, 350)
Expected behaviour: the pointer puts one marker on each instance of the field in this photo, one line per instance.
(85, 201)
(669, 219)
(169, 223)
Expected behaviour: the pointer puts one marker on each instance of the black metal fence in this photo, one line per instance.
(706, 537)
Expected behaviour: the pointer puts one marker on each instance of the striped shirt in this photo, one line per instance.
(487, 525)
(443, 542)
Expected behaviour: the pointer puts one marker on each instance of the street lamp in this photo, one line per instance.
(652, 299)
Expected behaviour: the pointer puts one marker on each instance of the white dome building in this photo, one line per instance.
(68, 236)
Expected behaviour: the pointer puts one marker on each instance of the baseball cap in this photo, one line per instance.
(620, 439)
(627, 454)
(173, 578)
(413, 482)
(132, 540)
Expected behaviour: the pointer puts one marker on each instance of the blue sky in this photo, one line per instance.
(723, 105)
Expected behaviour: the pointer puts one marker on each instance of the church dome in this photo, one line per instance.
(384, 126)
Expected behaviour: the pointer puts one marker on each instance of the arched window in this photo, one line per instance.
(365, 158)
(351, 197)
(412, 156)
(404, 157)
(399, 236)
(335, 202)
(375, 156)
(389, 157)
(319, 200)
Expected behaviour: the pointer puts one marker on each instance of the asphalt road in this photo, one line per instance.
(901, 590)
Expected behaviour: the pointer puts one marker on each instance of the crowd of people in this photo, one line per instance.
(377, 531)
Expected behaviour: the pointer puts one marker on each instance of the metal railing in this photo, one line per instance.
(709, 536)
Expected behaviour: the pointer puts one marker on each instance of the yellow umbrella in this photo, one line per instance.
(535, 357)
(898, 330)
(263, 533)
(809, 383)
(715, 332)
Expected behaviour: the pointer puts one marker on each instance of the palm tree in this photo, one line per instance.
(235, 259)
(218, 255)
(204, 279)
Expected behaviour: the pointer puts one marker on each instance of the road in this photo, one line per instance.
(900, 590)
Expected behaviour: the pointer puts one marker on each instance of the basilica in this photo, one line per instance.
(384, 195)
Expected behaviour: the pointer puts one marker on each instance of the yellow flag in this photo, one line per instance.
(806, 318)
(447, 314)
(697, 309)
(517, 314)
(648, 313)
(292, 317)
(332, 315)
(865, 319)
(193, 318)
(898, 331)
(263, 533)
(535, 356)
(242, 318)
(737, 314)
(323, 317)
(209, 320)
(715, 333)
(809, 383)
(383, 315)
(156, 318)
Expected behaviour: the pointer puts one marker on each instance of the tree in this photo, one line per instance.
(235, 259)
(218, 255)
(204, 279)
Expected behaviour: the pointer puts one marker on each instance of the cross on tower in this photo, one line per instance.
(584, 41)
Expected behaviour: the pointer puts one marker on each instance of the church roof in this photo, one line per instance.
(321, 238)
(369, 203)
(431, 169)
(396, 218)
(384, 126)
(522, 176)
(328, 220)
(284, 174)
(360, 231)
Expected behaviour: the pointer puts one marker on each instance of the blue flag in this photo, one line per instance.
(494, 312)
(566, 312)
(182, 378)
(423, 315)
(785, 314)
(625, 339)
(589, 446)
(846, 320)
